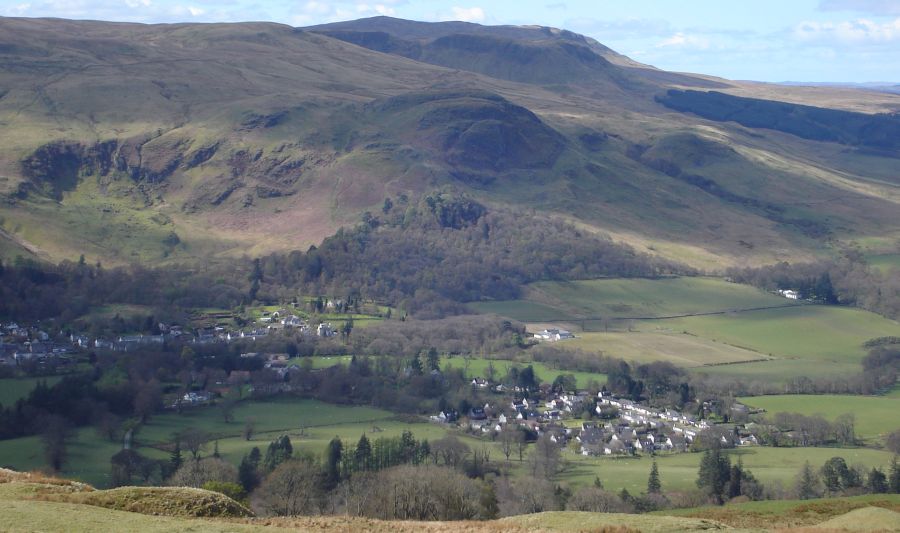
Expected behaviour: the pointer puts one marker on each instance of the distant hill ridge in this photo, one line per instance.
(185, 142)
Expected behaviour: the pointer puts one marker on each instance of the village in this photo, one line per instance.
(614, 427)
(32, 344)
(588, 423)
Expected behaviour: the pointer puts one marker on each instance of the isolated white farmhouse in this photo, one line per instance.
(553, 334)
(790, 294)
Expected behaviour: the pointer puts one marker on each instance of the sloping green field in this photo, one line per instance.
(814, 333)
(616, 298)
(478, 367)
(875, 415)
(89, 454)
(11, 389)
(716, 327)
(884, 262)
(679, 348)
(781, 370)
(679, 471)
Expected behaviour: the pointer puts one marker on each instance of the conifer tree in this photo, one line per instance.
(807, 483)
(653, 484)
(175, 458)
(877, 482)
(333, 462)
(248, 471)
(714, 474)
(894, 477)
(363, 453)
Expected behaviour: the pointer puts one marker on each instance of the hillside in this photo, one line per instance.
(160, 143)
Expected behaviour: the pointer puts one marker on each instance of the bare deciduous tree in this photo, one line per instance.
(196, 473)
(55, 435)
(546, 459)
(450, 450)
(194, 440)
(293, 488)
(596, 500)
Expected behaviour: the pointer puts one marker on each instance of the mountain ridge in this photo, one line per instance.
(190, 141)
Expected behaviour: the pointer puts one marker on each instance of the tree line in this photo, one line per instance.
(425, 256)
(848, 280)
(404, 478)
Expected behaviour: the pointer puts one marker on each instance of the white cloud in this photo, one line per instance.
(682, 40)
(620, 29)
(19, 9)
(859, 31)
(468, 14)
(195, 11)
(315, 12)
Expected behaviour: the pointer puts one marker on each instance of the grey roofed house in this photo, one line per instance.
(592, 441)
(477, 413)
(591, 434)
(615, 447)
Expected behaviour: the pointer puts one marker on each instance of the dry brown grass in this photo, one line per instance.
(41, 478)
(342, 524)
(804, 515)
(157, 501)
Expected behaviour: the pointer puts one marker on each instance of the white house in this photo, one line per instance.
(790, 294)
(553, 334)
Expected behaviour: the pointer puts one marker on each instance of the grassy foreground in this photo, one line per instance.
(38, 503)
(872, 512)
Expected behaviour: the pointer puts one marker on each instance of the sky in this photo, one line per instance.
(765, 40)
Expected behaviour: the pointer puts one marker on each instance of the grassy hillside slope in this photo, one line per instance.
(175, 142)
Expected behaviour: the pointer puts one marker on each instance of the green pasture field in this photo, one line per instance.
(777, 344)
(268, 416)
(679, 471)
(314, 440)
(521, 310)
(88, 456)
(780, 370)
(811, 341)
(321, 361)
(89, 453)
(884, 262)
(122, 310)
(894, 393)
(478, 367)
(814, 333)
(797, 339)
(12, 389)
(676, 347)
(875, 415)
(629, 298)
